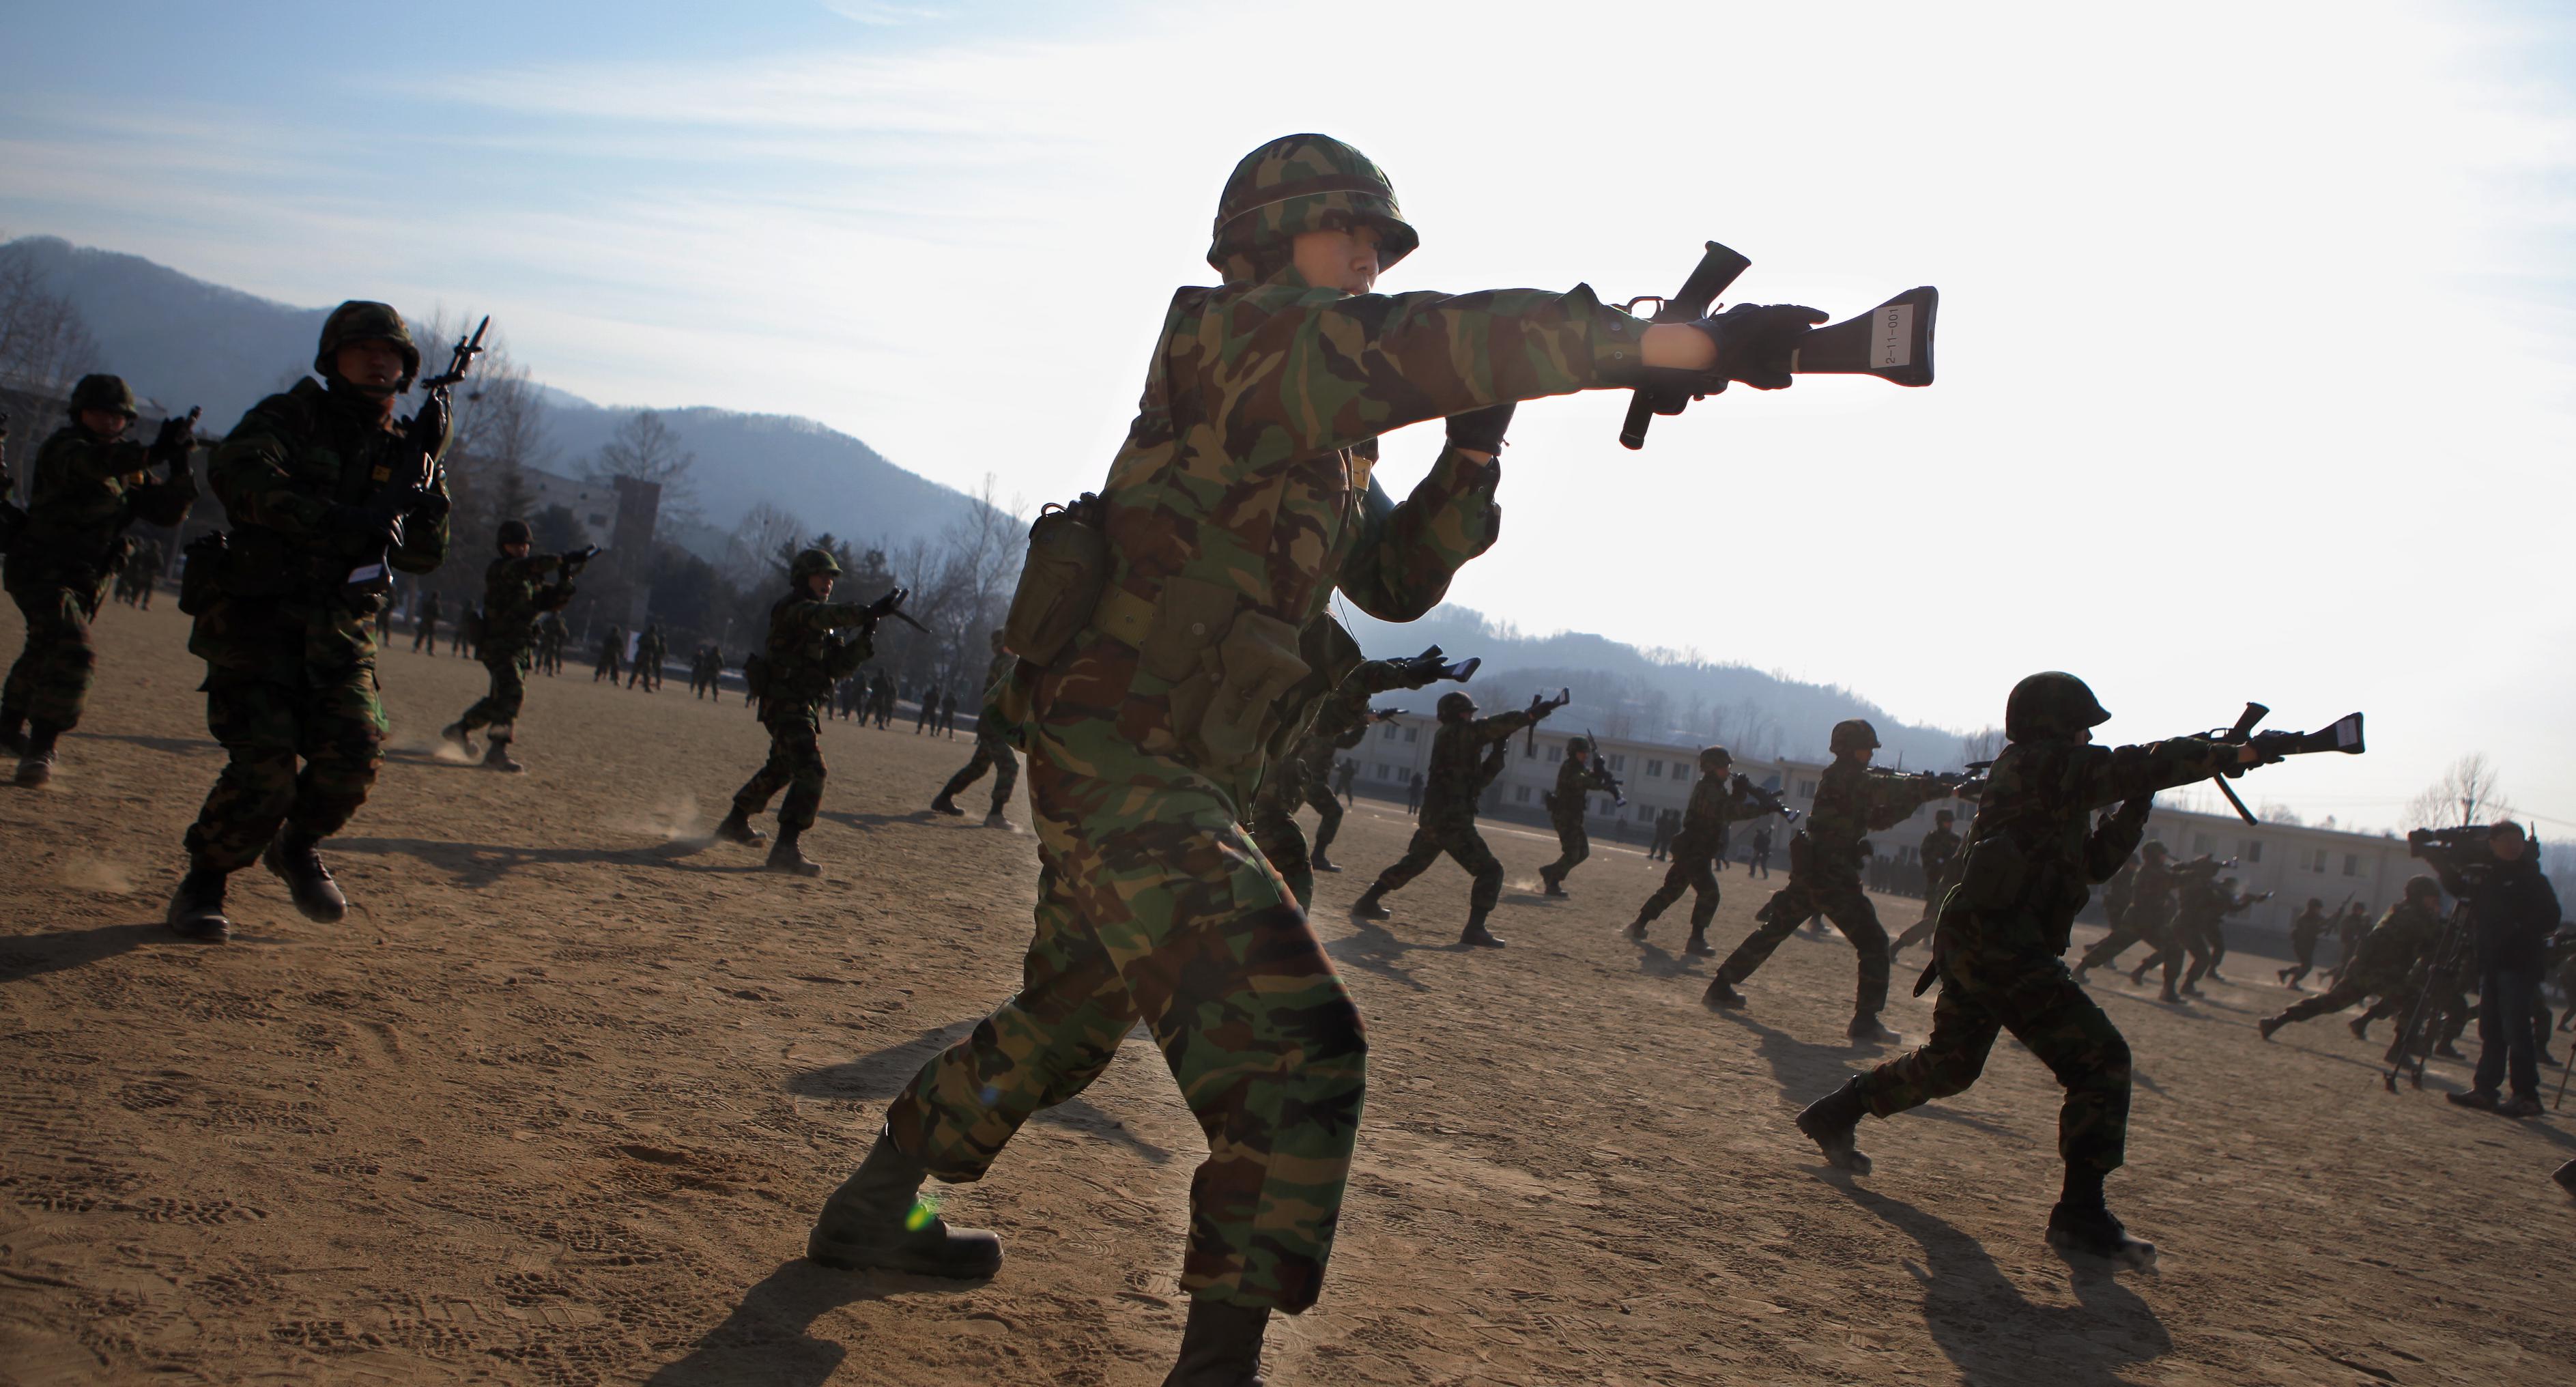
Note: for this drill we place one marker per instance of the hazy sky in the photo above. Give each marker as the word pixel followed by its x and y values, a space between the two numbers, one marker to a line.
pixel 2257 322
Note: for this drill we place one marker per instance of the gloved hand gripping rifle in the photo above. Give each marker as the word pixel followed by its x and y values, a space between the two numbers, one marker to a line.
pixel 388 507
pixel 2343 734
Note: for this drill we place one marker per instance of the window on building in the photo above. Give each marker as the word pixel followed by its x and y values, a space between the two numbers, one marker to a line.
pixel 2352 864
pixel 2317 860
pixel 2253 850
pixel 1806 789
pixel 1681 771
pixel 1618 763
pixel 1655 769
pixel 1520 795
pixel 1390 731
pixel 1385 771
pixel 1413 734
pixel 1555 753
pixel 2199 844
pixel 599 520
pixel 1645 815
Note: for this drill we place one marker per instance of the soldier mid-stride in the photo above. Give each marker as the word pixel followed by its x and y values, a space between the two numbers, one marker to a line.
pixel 424 626
pixel 1939 854
pixel 2305 930
pixel 1466 753
pixel 993 742
pixel 802 660
pixel 88 483
pixel 2388 953
pixel 2031 852
pixel 1240 500
pixel 1824 875
pixel 612 655
pixel 313 485
pixel 1576 779
pixel 515 595
pixel 1716 801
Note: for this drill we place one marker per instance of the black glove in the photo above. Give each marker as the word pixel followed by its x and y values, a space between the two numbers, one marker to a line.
pixel 1481 430
pixel 428 428
pixel 178 435
pixel 1753 342
pixel 376 520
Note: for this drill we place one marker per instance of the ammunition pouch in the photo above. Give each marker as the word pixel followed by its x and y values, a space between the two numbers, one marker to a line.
pixel 1060 581
pixel 201 579
pixel 1228 668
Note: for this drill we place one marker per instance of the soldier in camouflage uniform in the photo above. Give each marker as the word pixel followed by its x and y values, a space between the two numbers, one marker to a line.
pixel 2147 918
pixel 612 655
pixel 2379 968
pixel 317 484
pixel 1465 756
pixel 1240 499
pixel 87 484
pixel 993 742
pixel 1939 854
pixel 2032 850
pixel 144 569
pixel 515 595
pixel 424 629
pixel 2305 930
pixel 1716 801
pixel 649 650
pixel 1576 779
pixel 1825 861
pixel 803 658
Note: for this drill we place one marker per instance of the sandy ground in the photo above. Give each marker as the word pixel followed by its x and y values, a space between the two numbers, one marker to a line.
pixel 556 1103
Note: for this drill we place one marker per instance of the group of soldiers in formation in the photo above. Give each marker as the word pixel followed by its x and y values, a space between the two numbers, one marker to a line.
pixel 1171 675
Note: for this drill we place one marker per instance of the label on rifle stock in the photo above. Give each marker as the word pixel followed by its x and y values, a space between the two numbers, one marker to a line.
pixel 1892 337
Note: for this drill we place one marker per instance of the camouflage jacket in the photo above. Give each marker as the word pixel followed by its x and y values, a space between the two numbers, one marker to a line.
pixel 1244 484
pixel 2403 937
pixel 1852 800
pixel 1714 803
pixel 1939 846
pixel 1458 771
pixel 1342 719
pixel 429 606
pixel 2034 851
pixel 1575 781
pixel 515 595
pixel 281 606
pixel 2121 890
pixel 992 728
pixel 2309 925
pixel 805 659
pixel 81 494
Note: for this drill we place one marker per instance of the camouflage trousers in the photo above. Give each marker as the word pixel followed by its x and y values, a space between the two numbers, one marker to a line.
pixel 1154 904
pixel 331 721
pixel 1572 846
pixel 1465 846
pixel 2346 992
pixel 993 754
pixel 1696 871
pixel 2034 998
pixel 499 709
pixel 50 681
pixel 1282 841
pixel 2139 924
pixel 1805 897
pixel 1328 811
pixel 795 765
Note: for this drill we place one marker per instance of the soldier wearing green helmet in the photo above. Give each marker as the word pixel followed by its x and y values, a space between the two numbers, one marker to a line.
pixel 1577 778
pixel 2032 852
pixel 1241 499
pixel 516 596
pixel 89 482
pixel 805 656
pixel 288 630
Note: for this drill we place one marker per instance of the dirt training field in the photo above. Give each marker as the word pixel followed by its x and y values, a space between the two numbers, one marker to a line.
pixel 557 1102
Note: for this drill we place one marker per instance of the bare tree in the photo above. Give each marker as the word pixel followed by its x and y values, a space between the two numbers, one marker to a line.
pixel 2272 811
pixel 751 553
pixel 1984 744
pixel 2466 794
pixel 44 345
pixel 648 450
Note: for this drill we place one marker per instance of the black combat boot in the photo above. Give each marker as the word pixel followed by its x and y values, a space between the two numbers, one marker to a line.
pixel 873 1220
pixel 2445 1050
pixel 1322 863
pixel 291 855
pixel 737 828
pixel 496 756
pixel 1830 1123
pixel 2359 1026
pixel 2089 1228
pixel 1370 907
pixel 785 856
pixel 1220 1346
pixel 1865 1028
pixel 1698 942
pixel 1721 993
pixel 1476 935
pixel 1637 929
pixel 1555 885
pixel 197 907
pixel 944 805
pixel 2482 1099
pixel 2269 1024
pixel 36 763
pixel 455 735
pixel 995 819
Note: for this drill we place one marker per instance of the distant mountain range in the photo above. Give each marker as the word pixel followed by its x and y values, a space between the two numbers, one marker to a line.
pixel 181 341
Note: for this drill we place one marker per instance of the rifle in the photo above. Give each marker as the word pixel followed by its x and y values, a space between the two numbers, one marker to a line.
pixel 177 436
pixel 1601 767
pixel 1892 341
pixel 1539 708
pixel 1429 668
pixel 891 605
pixel 571 561
pixel 1383 714
pixel 1765 799
pixel 397 498
pixel 2343 734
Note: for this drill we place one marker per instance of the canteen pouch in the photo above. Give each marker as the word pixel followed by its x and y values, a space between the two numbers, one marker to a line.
pixel 201 571
pixel 1254 665
pixel 1060 582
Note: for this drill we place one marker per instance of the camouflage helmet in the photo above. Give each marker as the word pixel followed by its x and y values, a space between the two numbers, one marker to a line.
pixel 2316 903
pixel 1711 758
pixel 361 320
pixel 2156 848
pixel 1455 706
pixel 809 562
pixel 2051 703
pixel 1578 746
pixel 995 640
pixel 2425 887
pixel 1853 734
pixel 109 393
pixel 1302 183
pixel 514 532
pixel 1943 816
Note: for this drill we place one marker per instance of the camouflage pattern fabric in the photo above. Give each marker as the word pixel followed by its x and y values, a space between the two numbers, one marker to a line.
pixel 1340 719
pixel 515 595
pixel 805 660
pixel 1574 784
pixel 1714 803
pixel 2380 967
pixel 1939 847
pixel 290 653
pixel 1825 878
pixel 2031 853
pixel 795 765
pixel 2146 920
pixel 1462 764
pixel 83 490
pixel 1243 488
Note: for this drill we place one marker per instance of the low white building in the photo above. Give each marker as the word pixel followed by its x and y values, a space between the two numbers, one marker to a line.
pixel 2296 863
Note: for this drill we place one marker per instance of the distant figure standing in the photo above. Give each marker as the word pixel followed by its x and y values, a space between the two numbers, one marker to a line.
pixel 612 656
pixel 1346 780
pixel 929 711
pixel 461 631
pixel 1413 795
pixel 948 713
pixel 1761 861
pixel 424 628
